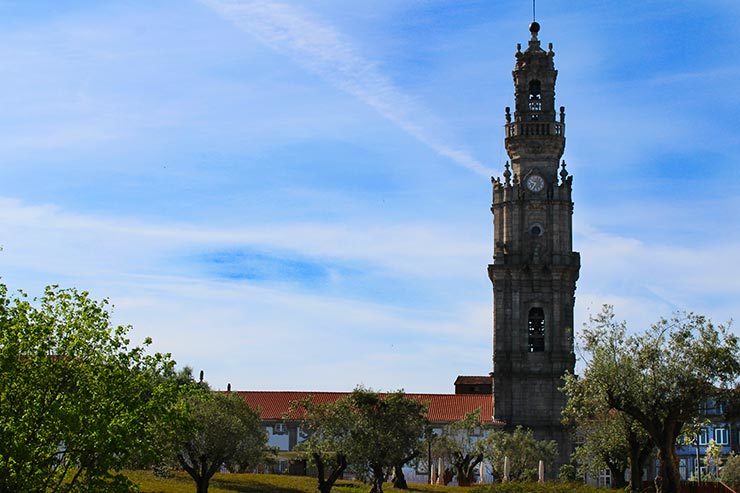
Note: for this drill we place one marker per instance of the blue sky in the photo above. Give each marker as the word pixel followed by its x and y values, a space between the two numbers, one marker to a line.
pixel 295 194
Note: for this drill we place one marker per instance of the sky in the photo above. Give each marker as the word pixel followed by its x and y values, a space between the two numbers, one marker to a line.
pixel 295 195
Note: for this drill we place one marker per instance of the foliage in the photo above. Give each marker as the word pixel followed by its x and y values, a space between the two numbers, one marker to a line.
pixel 522 449
pixel 730 473
pixel 386 431
pixel 531 487
pixel 328 427
pixel 77 403
pixel 567 472
pixel 609 439
pixel 225 432
pixel 712 460
pixel 459 445
pixel 661 377
pixel 371 431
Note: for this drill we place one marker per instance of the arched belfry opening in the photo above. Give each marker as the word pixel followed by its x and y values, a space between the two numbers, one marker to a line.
pixel 536 330
pixel 535 95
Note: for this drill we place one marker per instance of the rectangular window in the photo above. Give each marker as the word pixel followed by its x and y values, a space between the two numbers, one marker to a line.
pixel 605 478
pixel 721 437
pixel 703 436
pixel 279 429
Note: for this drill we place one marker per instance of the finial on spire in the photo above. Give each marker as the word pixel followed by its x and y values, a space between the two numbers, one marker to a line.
pixel 534 28
pixel 563 173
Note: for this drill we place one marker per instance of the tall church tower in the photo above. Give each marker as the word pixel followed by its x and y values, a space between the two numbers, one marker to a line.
pixel 534 268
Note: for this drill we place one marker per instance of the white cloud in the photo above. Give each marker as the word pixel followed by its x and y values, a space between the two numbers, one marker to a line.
pixel 418 250
pixel 646 280
pixel 325 51
pixel 251 335
pixel 279 336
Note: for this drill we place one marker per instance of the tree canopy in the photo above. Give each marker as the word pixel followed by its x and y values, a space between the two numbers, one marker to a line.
pixel 327 427
pixel 661 377
pixel 607 438
pixel 523 451
pixel 224 431
pixel 460 445
pixel 77 402
pixel 373 432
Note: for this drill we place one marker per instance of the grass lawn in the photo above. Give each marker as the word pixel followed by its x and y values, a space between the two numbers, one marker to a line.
pixel 272 483
pixel 260 483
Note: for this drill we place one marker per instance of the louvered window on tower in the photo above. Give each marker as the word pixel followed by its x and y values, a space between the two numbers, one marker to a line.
pixel 536 329
pixel 535 95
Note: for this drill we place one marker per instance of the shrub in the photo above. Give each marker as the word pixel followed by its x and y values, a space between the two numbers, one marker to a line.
pixel 530 487
pixel 730 472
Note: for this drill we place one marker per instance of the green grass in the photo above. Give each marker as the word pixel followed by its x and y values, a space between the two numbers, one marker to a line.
pixel 259 483
pixel 273 483
pixel 549 487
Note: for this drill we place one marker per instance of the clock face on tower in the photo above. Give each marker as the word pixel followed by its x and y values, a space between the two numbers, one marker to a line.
pixel 535 183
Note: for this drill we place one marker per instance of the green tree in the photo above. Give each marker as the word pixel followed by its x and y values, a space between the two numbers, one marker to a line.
pixel 610 439
pixel 373 432
pixel 523 451
pixel 387 431
pixel 730 473
pixel 225 432
pixel 661 377
pixel 460 446
pixel 77 402
pixel 328 427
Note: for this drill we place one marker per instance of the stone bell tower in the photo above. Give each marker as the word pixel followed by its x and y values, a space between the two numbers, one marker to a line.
pixel 534 268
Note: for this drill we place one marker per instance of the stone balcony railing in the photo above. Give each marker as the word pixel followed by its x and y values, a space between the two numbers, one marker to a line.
pixel 525 129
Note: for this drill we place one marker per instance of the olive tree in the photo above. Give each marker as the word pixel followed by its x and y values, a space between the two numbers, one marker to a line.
pixel 387 432
pixel 375 433
pixel 225 432
pixel 609 439
pixel 327 427
pixel 523 451
pixel 661 376
pixel 460 446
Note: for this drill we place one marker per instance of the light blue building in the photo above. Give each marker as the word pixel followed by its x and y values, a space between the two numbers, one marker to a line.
pixel 720 429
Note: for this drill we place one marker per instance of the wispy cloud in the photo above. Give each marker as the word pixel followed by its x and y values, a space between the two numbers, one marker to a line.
pixel 248 332
pixel 398 249
pixel 325 51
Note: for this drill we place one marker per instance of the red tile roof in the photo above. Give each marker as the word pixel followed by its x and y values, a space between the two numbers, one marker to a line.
pixel 443 408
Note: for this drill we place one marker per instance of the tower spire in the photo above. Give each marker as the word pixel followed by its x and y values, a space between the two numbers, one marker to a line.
pixel 534 10
pixel 534 269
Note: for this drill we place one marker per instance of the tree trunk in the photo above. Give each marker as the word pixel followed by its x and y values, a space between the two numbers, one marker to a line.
pixel 635 471
pixel 669 478
pixel 202 485
pixel 465 475
pixel 325 485
pixel 378 478
pixel 618 481
pixel 463 480
pixel 447 476
pixel 399 480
